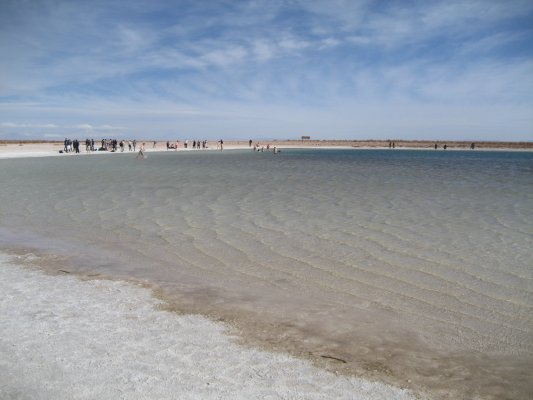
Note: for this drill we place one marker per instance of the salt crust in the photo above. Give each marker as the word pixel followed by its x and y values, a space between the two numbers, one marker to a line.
pixel 64 338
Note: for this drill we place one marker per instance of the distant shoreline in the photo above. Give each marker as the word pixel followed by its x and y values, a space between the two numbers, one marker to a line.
pixel 371 143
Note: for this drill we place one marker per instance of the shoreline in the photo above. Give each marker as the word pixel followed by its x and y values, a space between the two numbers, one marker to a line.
pixel 26 149
pixel 96 338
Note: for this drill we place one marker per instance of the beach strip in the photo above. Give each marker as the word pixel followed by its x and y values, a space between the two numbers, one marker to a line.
pixel 13 149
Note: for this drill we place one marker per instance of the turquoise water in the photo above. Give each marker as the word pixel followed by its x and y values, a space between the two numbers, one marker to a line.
pixel 419 262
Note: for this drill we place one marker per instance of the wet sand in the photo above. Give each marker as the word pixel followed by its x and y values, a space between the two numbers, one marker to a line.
pixel 62 337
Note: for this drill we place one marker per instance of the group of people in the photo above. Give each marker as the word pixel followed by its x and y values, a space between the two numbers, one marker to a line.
pixel 392 145
pixel 71 146
pixel 112 145
pixel 261 149
pixel 196 144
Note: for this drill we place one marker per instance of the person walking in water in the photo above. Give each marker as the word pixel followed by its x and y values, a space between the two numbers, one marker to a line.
pixel 141 152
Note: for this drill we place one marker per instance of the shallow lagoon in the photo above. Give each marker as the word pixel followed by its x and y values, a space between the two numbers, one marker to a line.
pixel 403 264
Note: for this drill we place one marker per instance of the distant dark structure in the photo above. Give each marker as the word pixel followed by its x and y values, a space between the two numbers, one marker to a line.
pixel 306 138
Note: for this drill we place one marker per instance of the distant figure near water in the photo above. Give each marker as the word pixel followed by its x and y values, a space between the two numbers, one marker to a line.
pixel 472 146
pixel 141 152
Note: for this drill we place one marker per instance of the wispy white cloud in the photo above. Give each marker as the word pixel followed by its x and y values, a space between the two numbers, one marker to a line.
pixel 15 125
pixel 263 50
pixel 225 56
pixel 97 127
pixel 55 126
pixel 293 44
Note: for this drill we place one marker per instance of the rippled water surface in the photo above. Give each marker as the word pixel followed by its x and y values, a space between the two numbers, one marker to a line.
pixel 399 263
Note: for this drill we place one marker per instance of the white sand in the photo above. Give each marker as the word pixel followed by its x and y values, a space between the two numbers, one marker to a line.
pixel 52 149
pixel 14 150
pixel 64 338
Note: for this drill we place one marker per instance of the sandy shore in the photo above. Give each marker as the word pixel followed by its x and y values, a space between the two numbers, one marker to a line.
pixel 62 337
pixel 14 149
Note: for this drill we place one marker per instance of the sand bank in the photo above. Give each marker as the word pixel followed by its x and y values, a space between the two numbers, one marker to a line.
pixel 14 149
pixel 61 337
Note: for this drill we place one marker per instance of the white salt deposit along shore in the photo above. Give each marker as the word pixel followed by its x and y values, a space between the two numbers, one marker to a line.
pixel 64 338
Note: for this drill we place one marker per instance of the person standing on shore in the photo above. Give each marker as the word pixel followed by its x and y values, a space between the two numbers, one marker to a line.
pixel 141 152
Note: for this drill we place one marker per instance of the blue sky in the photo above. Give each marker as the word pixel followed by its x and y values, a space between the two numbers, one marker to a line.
pixel 267 69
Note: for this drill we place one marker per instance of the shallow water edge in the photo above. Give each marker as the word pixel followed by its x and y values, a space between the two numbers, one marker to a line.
pixel 67 338
pixel 401 364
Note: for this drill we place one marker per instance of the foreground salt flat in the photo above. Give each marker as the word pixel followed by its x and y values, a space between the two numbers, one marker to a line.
pixel 61 337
